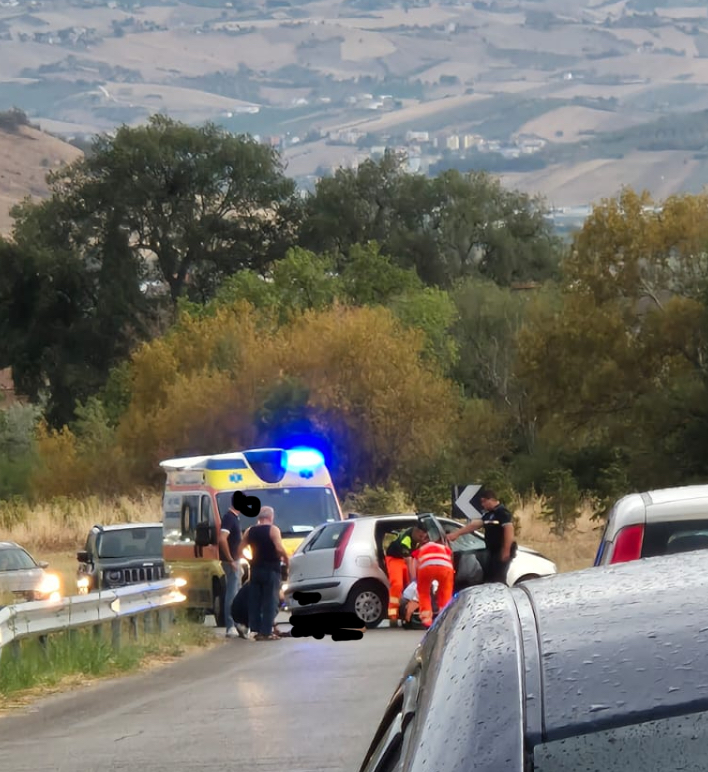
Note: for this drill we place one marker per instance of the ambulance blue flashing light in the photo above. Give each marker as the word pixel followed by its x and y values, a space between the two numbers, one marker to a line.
pixel 304 459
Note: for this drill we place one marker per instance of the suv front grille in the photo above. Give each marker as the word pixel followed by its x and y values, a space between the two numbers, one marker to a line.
pixel 146 574
pixel 134 575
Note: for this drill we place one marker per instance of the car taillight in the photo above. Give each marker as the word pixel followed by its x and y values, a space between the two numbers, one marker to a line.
pixel 342 545
pixel 629 544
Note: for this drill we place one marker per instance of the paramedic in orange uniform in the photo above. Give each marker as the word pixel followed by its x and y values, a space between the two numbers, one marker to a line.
pixel 400 568
pixel 433 563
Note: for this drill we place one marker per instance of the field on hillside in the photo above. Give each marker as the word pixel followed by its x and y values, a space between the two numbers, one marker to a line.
pixel 26 156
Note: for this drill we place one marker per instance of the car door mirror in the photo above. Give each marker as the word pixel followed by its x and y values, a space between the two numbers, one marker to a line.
pixel 82 556
pixel 204 535
pixel 43 564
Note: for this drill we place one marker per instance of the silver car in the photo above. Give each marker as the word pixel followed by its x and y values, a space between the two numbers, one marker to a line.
pixel 22 578
pixel 654 523
pixel 345 563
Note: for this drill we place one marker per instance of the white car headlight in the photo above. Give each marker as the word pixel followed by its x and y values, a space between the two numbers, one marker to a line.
pixel 50 584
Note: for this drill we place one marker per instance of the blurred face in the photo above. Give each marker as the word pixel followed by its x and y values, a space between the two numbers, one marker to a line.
pixel 420 536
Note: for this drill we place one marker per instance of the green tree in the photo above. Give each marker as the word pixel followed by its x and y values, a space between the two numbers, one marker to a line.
pixel 445 228
pixel 489 231
pixel 192 204
pixel 65 320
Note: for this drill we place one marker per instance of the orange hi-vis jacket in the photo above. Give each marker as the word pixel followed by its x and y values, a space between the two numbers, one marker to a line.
pixel 434 554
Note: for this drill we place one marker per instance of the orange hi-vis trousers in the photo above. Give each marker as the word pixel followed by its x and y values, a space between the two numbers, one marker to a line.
pixel 445 577
pixel 397 570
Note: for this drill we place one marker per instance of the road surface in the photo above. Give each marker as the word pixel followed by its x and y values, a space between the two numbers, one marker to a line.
pixel 302 705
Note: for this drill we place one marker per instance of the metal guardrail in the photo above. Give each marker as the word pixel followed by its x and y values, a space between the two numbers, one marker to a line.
pixel 40 618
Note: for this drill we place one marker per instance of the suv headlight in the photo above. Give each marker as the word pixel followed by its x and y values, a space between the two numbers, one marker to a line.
pixel 114 576
pixel 82 584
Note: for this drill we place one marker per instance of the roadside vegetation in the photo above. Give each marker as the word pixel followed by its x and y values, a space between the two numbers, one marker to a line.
pixel 177 295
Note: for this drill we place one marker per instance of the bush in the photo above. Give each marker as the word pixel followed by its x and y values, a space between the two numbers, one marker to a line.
pixel 380 500
pixel 11 120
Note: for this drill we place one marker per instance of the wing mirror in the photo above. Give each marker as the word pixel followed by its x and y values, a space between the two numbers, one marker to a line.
pixel 204 535
pixel 82 556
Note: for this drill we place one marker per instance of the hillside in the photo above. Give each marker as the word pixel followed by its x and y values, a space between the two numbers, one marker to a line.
pixel 524 83
pixel 26 155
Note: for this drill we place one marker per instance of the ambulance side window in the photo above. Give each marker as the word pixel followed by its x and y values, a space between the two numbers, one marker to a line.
pixel 190 515
pixel 207 512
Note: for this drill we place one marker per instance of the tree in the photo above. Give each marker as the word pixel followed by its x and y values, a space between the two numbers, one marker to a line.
pixel 353 206
pixel 622 366
pixel 488 231
pixel 445 228
pixel 192 204
pixel 64 320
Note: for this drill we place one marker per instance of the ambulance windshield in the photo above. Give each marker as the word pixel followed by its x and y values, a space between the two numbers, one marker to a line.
pixel 297 510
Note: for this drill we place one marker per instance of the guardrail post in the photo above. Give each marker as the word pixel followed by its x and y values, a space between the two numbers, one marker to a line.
pixel 115 633
pixel 163 620
pixel 98 632
pixel 148 620
pixel 15 648
pixel 133 622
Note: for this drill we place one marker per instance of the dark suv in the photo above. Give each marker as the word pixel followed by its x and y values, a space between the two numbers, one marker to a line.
pixel 119 555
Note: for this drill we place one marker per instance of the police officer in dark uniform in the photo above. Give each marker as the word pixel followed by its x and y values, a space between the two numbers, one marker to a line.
pixel 498 526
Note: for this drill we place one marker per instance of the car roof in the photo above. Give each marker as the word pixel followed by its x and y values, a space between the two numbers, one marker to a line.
pixel 124 526
pixel 7 545
pixel 562 655
pixel 622 640
pixel 682 493
pixel 657 505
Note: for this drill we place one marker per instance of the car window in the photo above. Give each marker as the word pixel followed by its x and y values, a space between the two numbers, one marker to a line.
pixel 328 537
pixel 15 559
pixel 668 538
pixel 664 745
pixel 464 543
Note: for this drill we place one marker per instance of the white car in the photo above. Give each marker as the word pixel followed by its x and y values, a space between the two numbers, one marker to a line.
pixel 344 564
pixel 22 578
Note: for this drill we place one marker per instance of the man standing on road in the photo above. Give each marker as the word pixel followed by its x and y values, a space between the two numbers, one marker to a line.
pixel 498 527
pixel 400 567
pixel 267 547
pixel 229 541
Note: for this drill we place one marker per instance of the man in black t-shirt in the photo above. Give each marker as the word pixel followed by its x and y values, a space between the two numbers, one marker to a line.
pixel 498 526
pixel 229 540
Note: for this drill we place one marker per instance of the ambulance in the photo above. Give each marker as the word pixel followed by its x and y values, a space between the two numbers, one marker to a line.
pixel 198 492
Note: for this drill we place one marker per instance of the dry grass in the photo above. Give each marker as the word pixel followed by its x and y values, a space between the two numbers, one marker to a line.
pixel 25 159
pixel 62 524
pixel 571 552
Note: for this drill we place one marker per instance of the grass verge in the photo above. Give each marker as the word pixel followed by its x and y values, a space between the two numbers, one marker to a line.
pixel 70 661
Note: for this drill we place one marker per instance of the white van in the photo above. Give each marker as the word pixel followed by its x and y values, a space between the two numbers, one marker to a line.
pixel 660 522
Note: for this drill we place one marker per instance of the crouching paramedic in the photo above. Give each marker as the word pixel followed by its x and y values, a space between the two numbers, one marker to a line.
pixel 433 564
pixel 400 567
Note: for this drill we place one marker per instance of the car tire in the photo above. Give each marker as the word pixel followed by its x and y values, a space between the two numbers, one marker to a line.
pixel 219 602
pixel 369 601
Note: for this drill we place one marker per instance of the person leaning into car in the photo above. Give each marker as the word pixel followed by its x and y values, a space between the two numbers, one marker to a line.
pixel 498 526
pixel 400 566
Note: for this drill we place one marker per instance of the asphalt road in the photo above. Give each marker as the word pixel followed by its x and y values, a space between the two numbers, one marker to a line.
pixel 302 705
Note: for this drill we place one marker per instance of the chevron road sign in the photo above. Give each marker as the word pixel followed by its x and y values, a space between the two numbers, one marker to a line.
pixel 464 501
